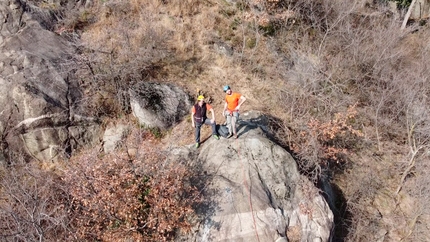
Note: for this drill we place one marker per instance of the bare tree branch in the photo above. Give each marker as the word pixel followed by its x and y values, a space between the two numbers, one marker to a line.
pixel 408 14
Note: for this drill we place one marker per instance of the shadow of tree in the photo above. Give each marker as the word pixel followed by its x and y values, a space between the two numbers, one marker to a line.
pixel 338 205
pixel 206 208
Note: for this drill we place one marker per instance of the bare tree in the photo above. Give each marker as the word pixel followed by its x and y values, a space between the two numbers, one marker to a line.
pixel 408 14
pixel 33 205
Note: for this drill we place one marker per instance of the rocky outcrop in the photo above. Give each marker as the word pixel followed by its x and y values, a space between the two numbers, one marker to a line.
pixel 113 136
pixel 40 98
pixel 158 105
pixel 43 110
pixel 421 10
pixel 254 192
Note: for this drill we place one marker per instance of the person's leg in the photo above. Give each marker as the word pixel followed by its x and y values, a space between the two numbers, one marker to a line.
pixel 228 117
pixel 213 126
pixel 234 119
pixel 197 132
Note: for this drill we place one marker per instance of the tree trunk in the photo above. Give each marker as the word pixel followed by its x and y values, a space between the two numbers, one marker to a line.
pixel 408 14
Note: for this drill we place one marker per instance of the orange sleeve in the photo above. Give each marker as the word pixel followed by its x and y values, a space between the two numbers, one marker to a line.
pixel 208 107
pixel 193 110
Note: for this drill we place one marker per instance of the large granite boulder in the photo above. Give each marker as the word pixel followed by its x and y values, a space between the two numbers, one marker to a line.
pixel 40 97
pixel 158 105
pixel 254 192
pixel 421 10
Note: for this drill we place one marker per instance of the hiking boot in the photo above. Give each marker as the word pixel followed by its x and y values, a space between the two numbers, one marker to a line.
pixel 197 145
pixel 216 136
pixel 229 135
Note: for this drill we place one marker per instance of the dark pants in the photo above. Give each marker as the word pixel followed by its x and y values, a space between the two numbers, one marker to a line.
pixel 199 126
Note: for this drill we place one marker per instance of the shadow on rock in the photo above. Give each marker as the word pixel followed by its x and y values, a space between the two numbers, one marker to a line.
pixel 338 204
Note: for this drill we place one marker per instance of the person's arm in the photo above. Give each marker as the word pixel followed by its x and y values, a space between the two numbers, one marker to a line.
pixel 225 109
pixel 242 99
pixel 192 118
pixel 213 115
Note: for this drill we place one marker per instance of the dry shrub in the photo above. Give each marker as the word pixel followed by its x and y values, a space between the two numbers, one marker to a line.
pixel 321 143
pixel 418 213
pixel 33 204
pixel 356 216
pixel 125 44
pixel 116 199
pixel 268 13
pixel 183 7
pixel 133 41
pixel 170 199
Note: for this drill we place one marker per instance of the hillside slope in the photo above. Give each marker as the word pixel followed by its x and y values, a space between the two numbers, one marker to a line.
pixel 345 88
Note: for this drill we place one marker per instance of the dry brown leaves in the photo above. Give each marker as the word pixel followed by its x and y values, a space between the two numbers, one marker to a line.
pixel 115 198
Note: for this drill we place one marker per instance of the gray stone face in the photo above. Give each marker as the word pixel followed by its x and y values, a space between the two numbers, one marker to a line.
pixel 39 95
pixel 223 48
pixel 158 105
pixel 421 9
pixel 113 136
pixel 255 192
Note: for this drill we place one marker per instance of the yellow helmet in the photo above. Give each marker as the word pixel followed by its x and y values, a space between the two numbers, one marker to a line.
pixel 201 97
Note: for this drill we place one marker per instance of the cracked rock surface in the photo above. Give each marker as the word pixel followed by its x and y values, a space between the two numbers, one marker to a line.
pixel 39 95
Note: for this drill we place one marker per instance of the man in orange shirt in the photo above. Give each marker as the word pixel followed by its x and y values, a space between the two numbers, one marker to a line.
pixel 233 102
pixel 198 118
